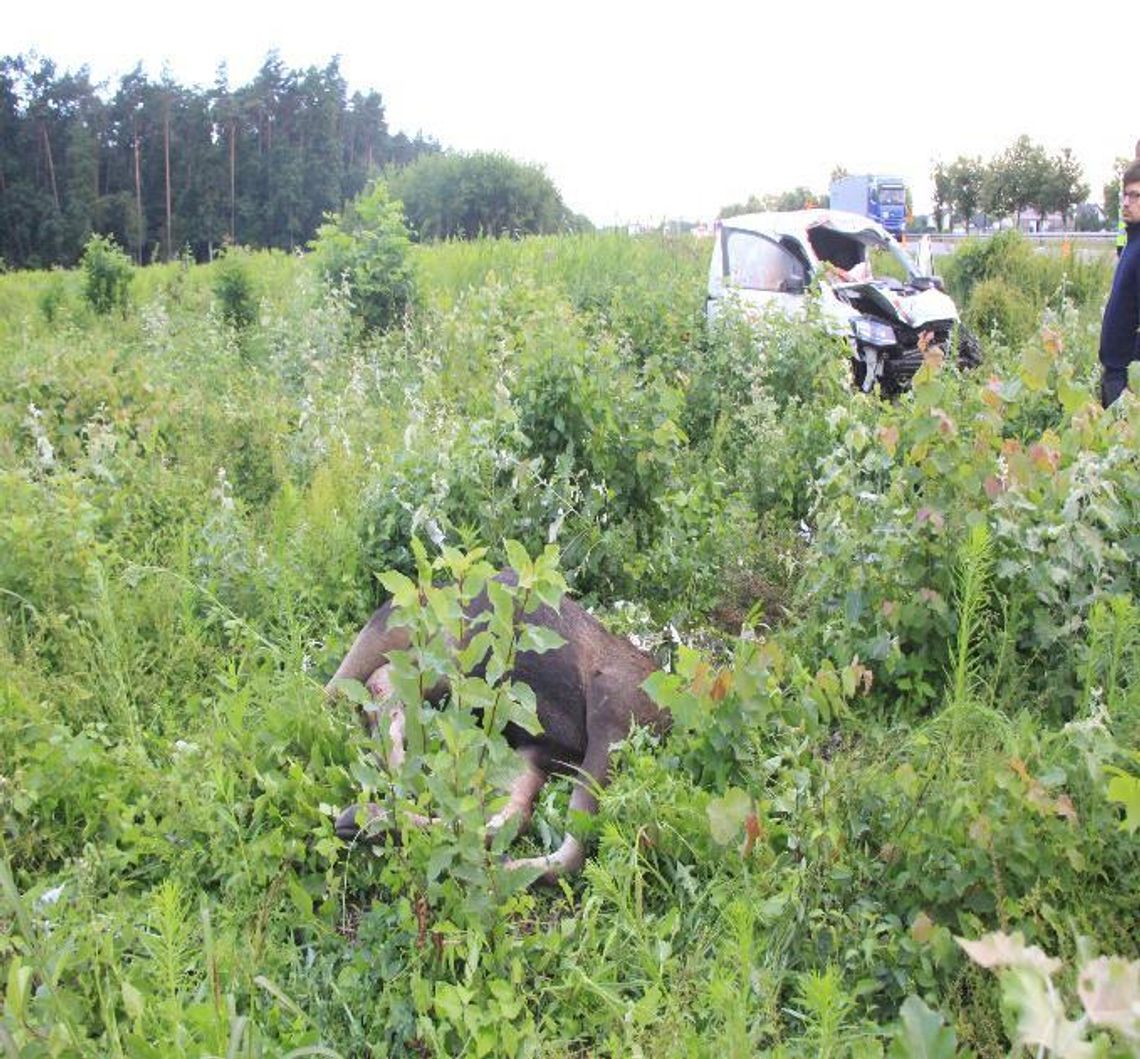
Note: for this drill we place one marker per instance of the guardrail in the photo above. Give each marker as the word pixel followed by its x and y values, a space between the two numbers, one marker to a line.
pixel 1044 237
pixel 1087 244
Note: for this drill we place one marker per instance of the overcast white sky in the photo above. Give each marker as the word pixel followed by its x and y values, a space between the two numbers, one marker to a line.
pixel 640 111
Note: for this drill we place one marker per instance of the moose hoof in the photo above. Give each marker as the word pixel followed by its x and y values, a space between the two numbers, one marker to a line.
pixel 547 874
pixel 363 823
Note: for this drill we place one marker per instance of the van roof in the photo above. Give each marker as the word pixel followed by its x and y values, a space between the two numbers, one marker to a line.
pixel 799 222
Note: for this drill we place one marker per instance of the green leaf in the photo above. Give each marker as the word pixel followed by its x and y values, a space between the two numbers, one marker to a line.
pixel 279 994
pixel 1041 1015
pixel 423 563
pixel 727 815
pixel 1124 789
pixel 354 691
pixel 402 588
pixel 19 978
pixel 1073 398
pixel 503 604
pixel 301 898
pixel 539 639
pixel 406 678
pixel 133 1001
pixel 450 1001
pixel 497 663
pixel 921 1033
pixel 1035 364
pixel 440 860
pixel 551 592
pixel 475 651
pixel 670 692
pixel 550 585
pixel 366 775
pixel 444 604
pixel 520 562
pixel 523 708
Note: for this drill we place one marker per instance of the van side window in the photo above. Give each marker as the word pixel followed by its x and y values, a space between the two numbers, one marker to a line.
pixel 756 263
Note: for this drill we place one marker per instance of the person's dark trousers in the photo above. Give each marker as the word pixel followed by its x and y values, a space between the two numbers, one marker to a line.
pixel 1112 384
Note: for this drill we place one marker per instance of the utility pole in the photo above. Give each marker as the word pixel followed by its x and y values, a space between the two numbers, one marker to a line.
pixel 233 182
pixel 138 194
pixel 166 153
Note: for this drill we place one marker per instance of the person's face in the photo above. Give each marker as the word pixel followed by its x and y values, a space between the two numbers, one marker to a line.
pixel 1131 203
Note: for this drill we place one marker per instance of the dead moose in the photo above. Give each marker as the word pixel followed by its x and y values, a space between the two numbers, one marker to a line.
pixel 587 692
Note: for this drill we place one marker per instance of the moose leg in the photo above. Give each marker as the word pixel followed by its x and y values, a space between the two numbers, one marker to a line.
pixel 385 701
pixel 370 648
pixel 370 822
pixel 571 855
pixel 520 801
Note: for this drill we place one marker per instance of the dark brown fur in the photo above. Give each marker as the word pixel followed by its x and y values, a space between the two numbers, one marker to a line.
pixel 588 691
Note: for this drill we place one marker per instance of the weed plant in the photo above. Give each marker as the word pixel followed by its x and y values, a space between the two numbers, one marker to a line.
pixel 905 690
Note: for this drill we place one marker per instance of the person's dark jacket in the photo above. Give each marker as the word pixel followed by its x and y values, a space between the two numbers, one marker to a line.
pixel 1120 330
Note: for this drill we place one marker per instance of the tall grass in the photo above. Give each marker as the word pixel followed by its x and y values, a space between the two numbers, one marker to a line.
pixel 191 520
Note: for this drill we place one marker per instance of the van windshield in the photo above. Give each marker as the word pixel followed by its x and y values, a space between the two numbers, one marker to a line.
pixel 846 251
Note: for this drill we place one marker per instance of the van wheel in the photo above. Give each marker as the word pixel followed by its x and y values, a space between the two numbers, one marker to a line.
pixel 969 348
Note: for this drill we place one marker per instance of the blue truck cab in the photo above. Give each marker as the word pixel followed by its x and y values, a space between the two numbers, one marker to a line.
pixel 882 198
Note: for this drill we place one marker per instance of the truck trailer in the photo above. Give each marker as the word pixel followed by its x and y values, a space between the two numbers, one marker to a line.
pixel 882 198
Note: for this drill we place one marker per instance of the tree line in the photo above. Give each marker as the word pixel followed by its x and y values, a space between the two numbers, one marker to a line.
pixel 463 196
pixel 798 198
pixel 1023 176
pixel 161 167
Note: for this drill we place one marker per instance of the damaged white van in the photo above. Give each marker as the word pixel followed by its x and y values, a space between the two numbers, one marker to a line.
pixel 767 262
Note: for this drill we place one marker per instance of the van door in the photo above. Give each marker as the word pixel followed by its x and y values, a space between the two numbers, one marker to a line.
pixel 754 270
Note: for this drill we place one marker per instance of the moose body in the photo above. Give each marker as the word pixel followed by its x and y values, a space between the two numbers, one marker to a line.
pixel 587 693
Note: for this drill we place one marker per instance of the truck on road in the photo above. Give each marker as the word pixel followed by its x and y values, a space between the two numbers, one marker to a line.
pixel 882 198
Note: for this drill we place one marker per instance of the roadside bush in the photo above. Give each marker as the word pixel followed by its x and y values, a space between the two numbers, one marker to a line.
pixel 235 289
pixel 367 245
pixel 1024 455
pixel 928 727
pixel 1041 278
pixel 53 297
pixel 997 307
pixel 107 274
pixel 1005 254
pixel 758 398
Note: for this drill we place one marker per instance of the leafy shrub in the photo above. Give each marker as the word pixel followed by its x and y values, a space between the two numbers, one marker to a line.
pixel 936 738
pixel 107 274
pixel 1042 279
pixel 461 196
pixel 1024 455
pixel 1006 255
pixel 367 245
pixel 760 395
pixel 235 289
pixel 53 297
pixel 997 307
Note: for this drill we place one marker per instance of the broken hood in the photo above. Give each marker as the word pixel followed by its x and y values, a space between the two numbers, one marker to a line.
pixel 915 308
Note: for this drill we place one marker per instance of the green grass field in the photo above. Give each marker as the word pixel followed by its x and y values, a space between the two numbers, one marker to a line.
pixel 905 683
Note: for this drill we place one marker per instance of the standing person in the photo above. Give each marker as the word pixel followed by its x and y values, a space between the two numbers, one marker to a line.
pixel 1120 329
pixel 1121 234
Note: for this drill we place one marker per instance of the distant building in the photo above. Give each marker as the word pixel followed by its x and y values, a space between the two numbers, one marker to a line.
pixel 1032 222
